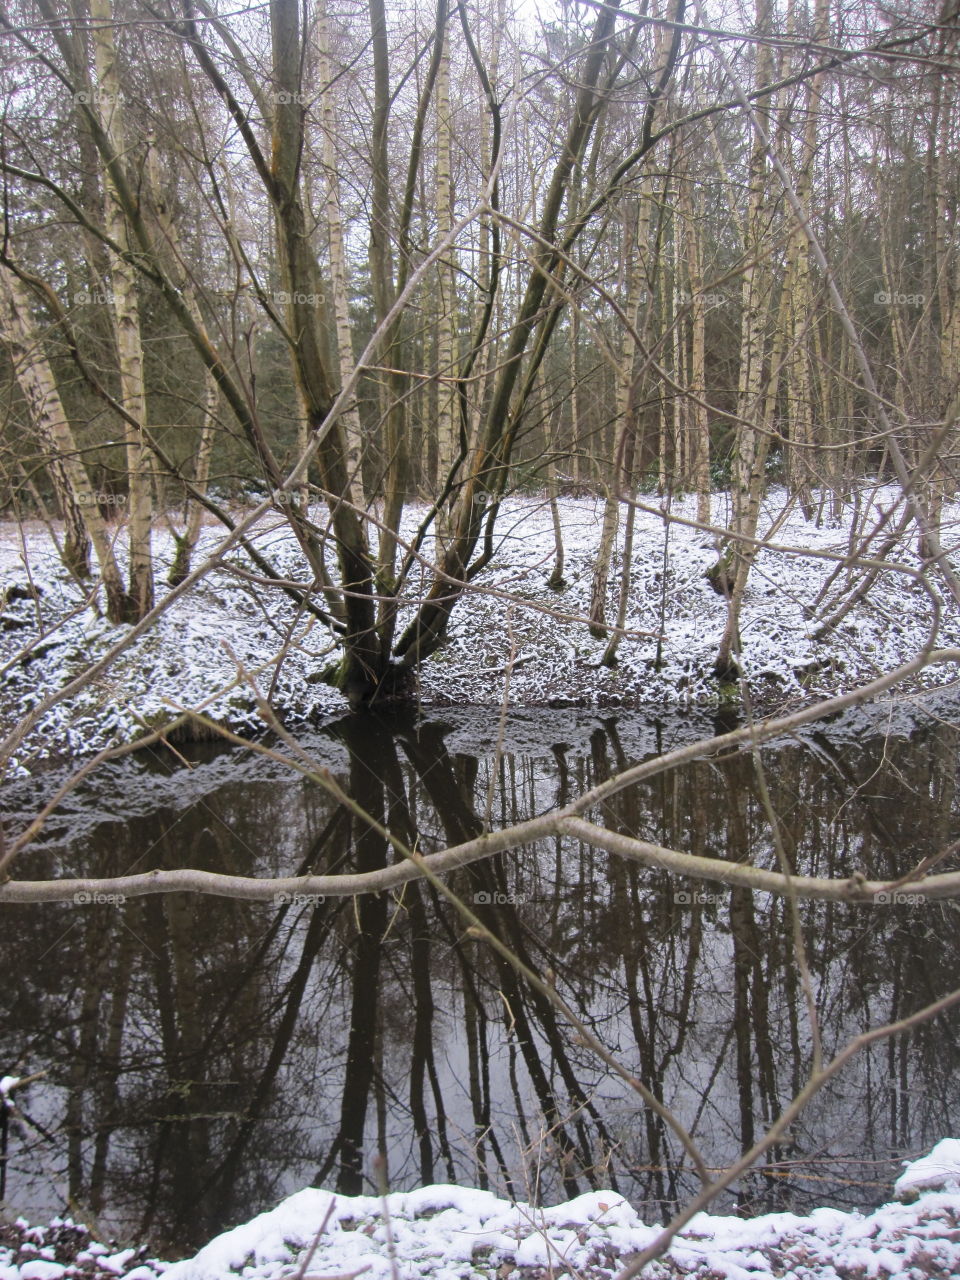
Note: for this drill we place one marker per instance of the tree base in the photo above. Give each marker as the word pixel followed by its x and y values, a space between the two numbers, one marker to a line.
pixel 396 684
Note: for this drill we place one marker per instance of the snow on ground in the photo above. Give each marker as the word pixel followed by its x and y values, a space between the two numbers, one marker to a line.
pixel 456 1233
pixel 512 619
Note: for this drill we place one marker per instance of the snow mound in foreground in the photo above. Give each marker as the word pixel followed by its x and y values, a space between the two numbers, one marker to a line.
pixel 454 1233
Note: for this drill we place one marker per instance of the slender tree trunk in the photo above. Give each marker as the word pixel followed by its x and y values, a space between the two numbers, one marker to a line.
pixel 677 476
pixel 186 542
pixel 338 262
pixel 697 416
pixel 448 444
pixel 68 474
pixel 750 498
pixel 126 311
pixel 364 661
pixel 637 238
pixel 730 573
pixel 393 385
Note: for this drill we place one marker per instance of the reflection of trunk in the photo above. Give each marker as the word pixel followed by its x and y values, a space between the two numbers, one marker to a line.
pixel 744 936
pixel 123 953
pixel 174 1146
pixel 422 1034
pixel 96 942
pixel 449 782
pixel 656 1010
pixel 369 763
pixel 323 855
pixel 533 1015
pixel 230 1168
pixel 423 1062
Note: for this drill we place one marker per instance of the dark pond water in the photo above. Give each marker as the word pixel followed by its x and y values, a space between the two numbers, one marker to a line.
pixel 204 1057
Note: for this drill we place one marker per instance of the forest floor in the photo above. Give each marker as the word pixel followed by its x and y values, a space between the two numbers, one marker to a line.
pixel 512 629
pixel 455 1233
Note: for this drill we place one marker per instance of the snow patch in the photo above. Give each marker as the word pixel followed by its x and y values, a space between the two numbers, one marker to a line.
pixel 456 1233
pixel 937 1171
pixel 512 621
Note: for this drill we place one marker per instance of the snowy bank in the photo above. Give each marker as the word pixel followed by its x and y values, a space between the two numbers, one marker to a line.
pixel 455 1233
pixel 512 621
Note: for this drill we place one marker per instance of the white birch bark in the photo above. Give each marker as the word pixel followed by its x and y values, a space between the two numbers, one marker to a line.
pixel 447 435
pixel 78 501
pixel 126 312
pixel 335 240
pixel 637 239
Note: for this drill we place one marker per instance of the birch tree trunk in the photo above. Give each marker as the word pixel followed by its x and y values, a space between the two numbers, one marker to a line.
pixel 126 312
pixel 447 435
pixel 186 542
pixel 729 574
pixel 637 238
pixel 726 666
pixel 338 262
pixel 81 513
pixel 391 385
pixel 801 470
pixel 942 279
pixel 698 422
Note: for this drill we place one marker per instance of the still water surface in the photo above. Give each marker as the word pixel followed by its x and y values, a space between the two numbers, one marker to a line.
pixel 204 1057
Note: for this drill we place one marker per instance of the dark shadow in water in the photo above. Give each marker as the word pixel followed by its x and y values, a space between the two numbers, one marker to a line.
pixel 204 1056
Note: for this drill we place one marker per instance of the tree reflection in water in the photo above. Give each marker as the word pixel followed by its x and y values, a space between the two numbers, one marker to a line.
pixel 205 1056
